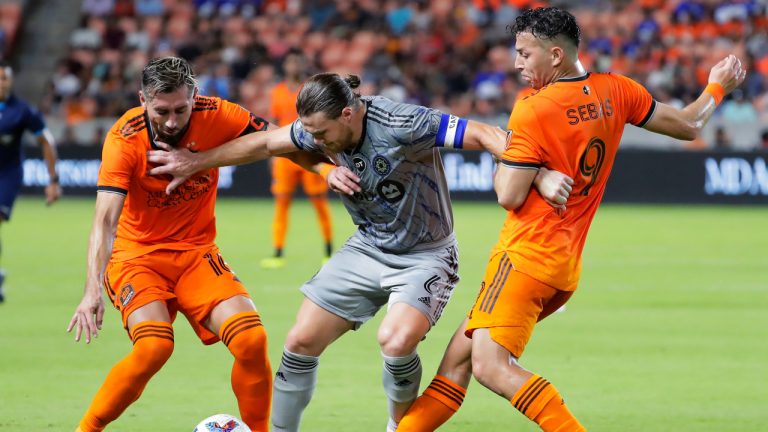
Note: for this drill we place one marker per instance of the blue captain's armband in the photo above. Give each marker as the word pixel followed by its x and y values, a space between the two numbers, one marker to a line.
pixel 450 133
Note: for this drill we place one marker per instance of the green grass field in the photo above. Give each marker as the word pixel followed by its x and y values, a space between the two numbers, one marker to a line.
pixel 667 332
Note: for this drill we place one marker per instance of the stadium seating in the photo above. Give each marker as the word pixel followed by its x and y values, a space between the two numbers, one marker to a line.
pixel 454 55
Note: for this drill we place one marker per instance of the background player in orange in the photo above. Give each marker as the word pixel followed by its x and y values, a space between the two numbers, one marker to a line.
pixel 286 175
pixel 572 124
pixel 155 254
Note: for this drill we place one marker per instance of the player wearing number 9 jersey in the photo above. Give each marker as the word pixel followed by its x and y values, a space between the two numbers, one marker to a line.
pixel 572 124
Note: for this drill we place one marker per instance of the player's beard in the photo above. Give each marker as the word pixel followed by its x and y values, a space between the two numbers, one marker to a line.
pixel 344 142
pixel 171 139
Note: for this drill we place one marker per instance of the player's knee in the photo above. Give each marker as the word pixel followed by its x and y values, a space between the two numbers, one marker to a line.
pixel 398 341
pixel 152 353
pixel 249 345
pixel 483 370
pixel 302 341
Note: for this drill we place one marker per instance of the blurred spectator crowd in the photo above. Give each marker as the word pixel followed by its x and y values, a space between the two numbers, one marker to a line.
pixel 450 54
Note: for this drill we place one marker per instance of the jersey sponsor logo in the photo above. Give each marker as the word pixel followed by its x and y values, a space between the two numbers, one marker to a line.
pixel 191 190
pixel 360 164
pixel 391 191
pixel 364 196
pixel 381 165
pixel 126 294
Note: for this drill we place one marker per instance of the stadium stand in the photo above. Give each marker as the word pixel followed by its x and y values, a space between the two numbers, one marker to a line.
pixel 449 54
pixel 10 19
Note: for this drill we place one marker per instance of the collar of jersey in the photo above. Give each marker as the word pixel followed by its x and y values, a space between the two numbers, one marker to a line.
pixel 573 79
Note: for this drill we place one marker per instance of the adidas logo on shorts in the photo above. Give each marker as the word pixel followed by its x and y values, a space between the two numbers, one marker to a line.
pixel 426 301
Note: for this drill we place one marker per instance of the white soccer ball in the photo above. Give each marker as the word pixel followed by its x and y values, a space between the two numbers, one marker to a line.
pixel 222 423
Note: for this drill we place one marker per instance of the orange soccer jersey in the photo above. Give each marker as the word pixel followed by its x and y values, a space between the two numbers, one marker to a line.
pixel 573 126
pixel 283 106
pixel 286 175
pixel 150 219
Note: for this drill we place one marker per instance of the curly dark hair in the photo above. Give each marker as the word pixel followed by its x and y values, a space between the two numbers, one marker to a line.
pixel 547 23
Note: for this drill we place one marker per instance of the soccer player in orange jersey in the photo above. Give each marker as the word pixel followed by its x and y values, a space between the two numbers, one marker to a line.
pixel 155 254
pixel 573 123
pixel 286 174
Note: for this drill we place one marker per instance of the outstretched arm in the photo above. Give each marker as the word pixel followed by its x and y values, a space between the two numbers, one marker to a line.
pixel 89 314
pixel 687 123
pixel 554 186
pixel 182 163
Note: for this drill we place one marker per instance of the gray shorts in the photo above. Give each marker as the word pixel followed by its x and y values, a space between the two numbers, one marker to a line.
pixel 360 278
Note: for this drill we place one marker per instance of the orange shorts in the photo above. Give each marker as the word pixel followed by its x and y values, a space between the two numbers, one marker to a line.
pixel 510 303
pixel 192 282
pixel 286 176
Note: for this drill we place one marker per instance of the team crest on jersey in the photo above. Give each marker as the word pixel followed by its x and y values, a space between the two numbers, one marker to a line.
pixel 381 165
pixel 360 164
pixel 126 294
pixel 391 191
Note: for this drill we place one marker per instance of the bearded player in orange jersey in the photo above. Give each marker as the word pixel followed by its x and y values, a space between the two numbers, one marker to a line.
pixel 286 174
pixel 155 254
pixel 573 124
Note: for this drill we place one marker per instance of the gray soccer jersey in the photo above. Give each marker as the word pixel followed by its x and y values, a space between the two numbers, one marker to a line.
pixel 404 204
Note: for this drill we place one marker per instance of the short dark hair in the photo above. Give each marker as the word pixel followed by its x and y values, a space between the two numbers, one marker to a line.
pixel 547 23
pixel 166 75
pixel 327 93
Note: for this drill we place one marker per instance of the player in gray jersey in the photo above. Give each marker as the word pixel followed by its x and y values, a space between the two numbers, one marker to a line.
pixel 390 176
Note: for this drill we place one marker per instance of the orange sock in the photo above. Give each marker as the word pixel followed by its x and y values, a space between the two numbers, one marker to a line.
pixel 246 339
pixel 323 217
pixel 434 407
pixel 541 402
pixel 280 223
pixel 152 346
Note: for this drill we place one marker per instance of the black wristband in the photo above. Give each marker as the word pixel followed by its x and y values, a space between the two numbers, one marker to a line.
pixel 54 178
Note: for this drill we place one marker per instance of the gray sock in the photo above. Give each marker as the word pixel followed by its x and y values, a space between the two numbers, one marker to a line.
pixel 293 387
pixel 401 378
